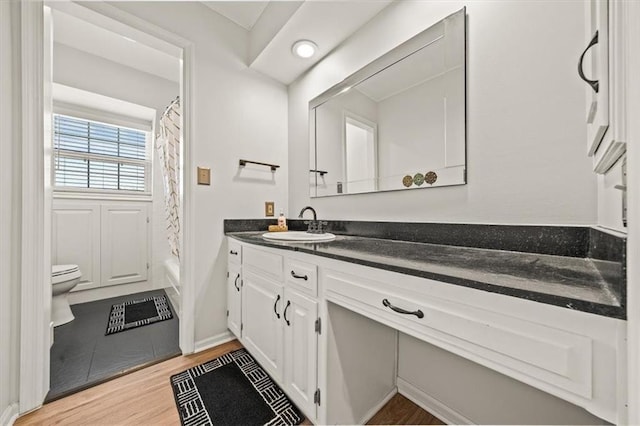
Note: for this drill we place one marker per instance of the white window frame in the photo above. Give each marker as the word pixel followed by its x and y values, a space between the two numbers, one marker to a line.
pixel 85 105
pixel 147 163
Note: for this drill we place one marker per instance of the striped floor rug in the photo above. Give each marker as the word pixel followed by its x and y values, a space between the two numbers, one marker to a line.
pixel 231 390
pixel 136 313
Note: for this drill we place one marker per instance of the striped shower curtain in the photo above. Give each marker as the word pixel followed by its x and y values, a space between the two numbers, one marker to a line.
pixel 168 146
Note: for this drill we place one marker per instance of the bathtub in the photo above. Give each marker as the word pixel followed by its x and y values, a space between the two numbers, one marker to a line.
pixel 172 278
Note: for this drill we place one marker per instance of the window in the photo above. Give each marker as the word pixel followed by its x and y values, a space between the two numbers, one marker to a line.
pixel 89 155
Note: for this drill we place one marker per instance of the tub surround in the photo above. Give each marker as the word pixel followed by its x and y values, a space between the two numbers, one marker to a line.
pixel 579 268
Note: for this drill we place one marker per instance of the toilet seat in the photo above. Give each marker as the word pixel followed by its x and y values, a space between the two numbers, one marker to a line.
pixel 62 273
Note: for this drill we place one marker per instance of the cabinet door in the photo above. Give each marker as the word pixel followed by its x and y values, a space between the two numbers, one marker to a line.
pixel 301 348
pixel 595 65
pixel 234 300
pixel 76 240
pixel 124 242
pixel 262 323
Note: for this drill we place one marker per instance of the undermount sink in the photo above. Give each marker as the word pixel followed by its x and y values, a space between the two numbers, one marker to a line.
pixel 299 236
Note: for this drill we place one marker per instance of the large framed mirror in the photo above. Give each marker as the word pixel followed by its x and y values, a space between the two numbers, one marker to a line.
pixel 399 123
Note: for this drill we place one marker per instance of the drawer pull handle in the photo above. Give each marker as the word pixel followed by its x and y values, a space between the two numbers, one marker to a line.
pixel 235 283
pixel 235 253
pixel 275 307
pixel 285 312
pixel 388 304
pixel 300 277
pixel 593 83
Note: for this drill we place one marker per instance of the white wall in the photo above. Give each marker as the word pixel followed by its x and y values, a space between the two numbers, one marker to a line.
pixel 525 125
pixel 10 193
pixel 610 199
pixel 79 69
pixel 238 113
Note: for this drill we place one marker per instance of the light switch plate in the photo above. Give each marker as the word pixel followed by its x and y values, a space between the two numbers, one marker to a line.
pixel 204 176
pixel 269 208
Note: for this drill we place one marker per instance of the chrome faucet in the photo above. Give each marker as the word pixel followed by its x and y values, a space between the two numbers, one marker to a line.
pixel 315 226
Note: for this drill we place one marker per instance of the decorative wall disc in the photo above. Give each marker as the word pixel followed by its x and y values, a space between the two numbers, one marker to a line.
pixel 431 178
pixel 407 181
pixel 418 179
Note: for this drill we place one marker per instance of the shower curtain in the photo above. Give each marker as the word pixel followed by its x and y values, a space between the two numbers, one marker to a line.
pixel 168 147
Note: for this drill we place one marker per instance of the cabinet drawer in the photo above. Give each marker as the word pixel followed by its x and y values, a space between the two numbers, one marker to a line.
pixel 534 353
pixel 263 262
pixel 302 276
pixel 234 251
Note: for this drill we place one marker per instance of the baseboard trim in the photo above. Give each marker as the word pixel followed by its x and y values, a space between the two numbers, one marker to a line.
pixel 9 415
pixel 377 407
pixel 432 405
pixel 213 341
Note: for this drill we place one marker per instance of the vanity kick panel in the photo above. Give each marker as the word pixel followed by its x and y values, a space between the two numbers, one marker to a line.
pixel 534 353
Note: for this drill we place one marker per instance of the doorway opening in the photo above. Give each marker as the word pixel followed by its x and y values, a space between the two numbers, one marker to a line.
pixel 115 164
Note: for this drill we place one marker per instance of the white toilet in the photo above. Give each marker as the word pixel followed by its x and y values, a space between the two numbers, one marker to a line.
pixel 63 279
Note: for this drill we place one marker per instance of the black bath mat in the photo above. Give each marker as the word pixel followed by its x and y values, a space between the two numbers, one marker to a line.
pixel 231 390
pixel 136 313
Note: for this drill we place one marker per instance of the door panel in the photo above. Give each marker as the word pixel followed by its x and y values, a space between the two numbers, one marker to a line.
pixel 76 240
pixel 301 344
pixel 234 300
pixel 124 242
pixel 262 329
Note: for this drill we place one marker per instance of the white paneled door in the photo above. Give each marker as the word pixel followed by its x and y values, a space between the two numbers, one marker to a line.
pixel 76 240
pixel 124 244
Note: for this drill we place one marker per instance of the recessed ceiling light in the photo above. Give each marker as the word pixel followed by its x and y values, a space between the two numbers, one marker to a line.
pixel 304 48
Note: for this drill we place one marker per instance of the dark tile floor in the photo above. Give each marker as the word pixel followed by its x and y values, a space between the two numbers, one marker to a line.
pixel 83 356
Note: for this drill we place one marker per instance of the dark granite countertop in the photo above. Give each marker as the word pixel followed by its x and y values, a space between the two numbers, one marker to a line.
pixel 578 283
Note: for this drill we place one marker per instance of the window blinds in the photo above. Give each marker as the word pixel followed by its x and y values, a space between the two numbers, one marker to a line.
pixel 93 155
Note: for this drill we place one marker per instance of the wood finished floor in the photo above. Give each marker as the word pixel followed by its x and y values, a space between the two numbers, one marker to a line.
pixel 144 397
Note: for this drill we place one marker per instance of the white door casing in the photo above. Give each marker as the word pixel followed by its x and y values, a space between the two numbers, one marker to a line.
pixel 35 267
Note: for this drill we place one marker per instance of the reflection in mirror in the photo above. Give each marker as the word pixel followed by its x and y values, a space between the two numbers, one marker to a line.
pixel 398 123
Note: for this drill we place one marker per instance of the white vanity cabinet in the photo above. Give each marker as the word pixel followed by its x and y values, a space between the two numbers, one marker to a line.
pixel 279 318
pixel 327 332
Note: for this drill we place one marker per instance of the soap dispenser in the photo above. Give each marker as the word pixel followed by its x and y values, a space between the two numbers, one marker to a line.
pixel 282 221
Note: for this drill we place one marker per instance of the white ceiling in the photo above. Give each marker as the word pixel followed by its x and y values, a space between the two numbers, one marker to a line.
pixel 243 13
pixel 274 26
pixel 114 46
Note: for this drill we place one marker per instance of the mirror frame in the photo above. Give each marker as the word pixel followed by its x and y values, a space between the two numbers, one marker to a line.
pixel 398 53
